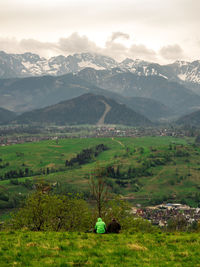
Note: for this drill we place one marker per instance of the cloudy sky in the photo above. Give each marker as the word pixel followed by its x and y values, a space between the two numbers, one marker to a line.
pixel 153 30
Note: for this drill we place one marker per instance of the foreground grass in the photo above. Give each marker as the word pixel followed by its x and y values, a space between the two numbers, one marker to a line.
pixel 81 249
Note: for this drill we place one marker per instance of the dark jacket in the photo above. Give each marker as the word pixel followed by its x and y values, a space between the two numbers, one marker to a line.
pixel 113 227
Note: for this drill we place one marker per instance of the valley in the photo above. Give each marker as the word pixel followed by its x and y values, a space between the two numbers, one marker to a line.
pixel 136 121
pixel 146 170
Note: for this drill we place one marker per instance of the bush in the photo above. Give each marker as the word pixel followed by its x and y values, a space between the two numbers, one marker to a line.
pixel 4 196
pixel 178 223
pixel 141 225
pixel 14 181
pixel 51 212
pixel 120 210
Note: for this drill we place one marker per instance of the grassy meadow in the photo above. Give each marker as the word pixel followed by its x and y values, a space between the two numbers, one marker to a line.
pixel 175 180
pixel 62 249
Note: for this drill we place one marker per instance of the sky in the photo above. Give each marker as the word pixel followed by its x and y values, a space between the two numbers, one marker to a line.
pixel 160 31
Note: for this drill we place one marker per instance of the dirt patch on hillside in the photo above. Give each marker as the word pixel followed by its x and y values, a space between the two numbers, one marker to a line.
pixel 107 109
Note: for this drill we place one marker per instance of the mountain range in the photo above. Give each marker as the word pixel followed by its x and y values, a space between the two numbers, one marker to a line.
pixel 28 64
pixel 172 94
pixel 25 94
pixel 158 92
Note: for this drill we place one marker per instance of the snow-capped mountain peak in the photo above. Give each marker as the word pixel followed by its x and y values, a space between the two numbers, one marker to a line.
pixel 29 64
pixel 187 71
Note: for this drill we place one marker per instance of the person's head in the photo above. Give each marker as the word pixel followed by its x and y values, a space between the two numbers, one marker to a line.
pixel 113 219
pixel 99 220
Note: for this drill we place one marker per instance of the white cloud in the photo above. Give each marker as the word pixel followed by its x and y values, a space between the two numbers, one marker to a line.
pixel 117 35
pixel 154 23
pixel 142 52
pixel 76 43
pixel 172 52
pixel 12 45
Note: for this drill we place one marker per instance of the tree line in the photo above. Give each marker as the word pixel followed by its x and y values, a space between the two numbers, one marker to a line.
pixel 86 155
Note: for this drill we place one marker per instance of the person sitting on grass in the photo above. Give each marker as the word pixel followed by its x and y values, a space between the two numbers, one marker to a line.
pixel 113 227
pixel 100 227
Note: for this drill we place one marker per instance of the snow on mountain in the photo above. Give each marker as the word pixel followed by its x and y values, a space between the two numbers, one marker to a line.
pixel 130 64
pixel 99 61
pixel 28 64
pixel 182 76
pixel 88 64
pixel 187 71
pixel 141 67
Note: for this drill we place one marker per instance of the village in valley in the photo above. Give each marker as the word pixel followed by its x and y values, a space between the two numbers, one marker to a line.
pixel 17 134
pixel 161 215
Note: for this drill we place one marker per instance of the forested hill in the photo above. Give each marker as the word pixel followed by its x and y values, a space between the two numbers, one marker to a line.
pixel 6 115
pixel 190 119
pixel 85 109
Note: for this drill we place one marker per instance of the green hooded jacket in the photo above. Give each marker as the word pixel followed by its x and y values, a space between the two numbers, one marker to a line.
pixel 100 226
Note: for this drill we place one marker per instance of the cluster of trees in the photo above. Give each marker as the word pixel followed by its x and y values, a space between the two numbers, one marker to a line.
pixel 62 188
pixel 50 212
pixel 130 176
pixel 26 172
pixel 127 177
pixel 160 158
pixel 86 155
pixel 179 151
pixel 190 199
pixel 10 200
pixel 179 223
pixel 173 151
pixel 2 166
pixel 53 212
pixel 16 174
pixel 28 183
pixel 132 172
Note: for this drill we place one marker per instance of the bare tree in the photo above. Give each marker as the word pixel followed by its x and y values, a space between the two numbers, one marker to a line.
pixel 43 186
pixel 99 189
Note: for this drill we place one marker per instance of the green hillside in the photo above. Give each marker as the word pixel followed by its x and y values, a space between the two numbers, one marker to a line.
pixel 147 170
pixel 80 249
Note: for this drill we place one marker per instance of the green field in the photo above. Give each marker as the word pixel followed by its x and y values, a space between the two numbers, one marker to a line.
pixel 62 249
pixel 171 168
